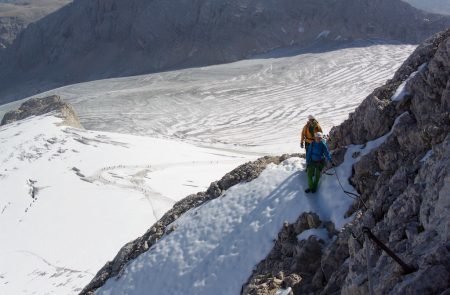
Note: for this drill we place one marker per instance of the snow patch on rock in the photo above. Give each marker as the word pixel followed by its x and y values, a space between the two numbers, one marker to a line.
pixel 401 91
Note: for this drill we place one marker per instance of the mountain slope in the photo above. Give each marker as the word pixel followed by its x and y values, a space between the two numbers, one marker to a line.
pixel 213 248
pixel 16 15
pixel 89 40
pixel 434 6
pixel 399 154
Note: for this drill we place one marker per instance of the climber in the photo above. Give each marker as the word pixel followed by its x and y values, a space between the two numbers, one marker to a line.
pixel 311 128
pixel 316 155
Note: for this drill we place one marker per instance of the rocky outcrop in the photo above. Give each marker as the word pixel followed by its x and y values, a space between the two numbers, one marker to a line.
pixel 41 106
pixel 291 262
pixel 405 183
pixel 130 251
pixel 9 29
pixel 93 39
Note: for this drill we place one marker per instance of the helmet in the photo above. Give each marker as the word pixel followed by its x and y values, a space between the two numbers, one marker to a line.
pixel 319 135
pixel 311 117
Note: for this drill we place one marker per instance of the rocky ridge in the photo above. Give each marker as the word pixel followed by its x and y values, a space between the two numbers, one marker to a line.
pixel 405 183
pixel 89 40
pixel 41 106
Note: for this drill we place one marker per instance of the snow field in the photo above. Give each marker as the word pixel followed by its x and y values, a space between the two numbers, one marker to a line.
pixel 54 242
pixel 257 105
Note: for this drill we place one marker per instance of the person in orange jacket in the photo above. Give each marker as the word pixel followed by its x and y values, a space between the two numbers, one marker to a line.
pixel 309 131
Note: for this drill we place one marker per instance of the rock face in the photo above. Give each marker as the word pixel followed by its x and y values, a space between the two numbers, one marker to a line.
pixel 435 6
pixel 16 15
pixel 290 258
pixel 405 183
pixel 41 106
pixel 93 39
pixel 130 251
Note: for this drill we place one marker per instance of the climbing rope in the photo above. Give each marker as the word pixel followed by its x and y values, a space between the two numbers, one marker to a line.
pixel 351 195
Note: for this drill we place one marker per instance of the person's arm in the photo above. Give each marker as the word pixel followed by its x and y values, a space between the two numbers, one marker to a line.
pixel 308 155
pixel 303 135
pixel 327 152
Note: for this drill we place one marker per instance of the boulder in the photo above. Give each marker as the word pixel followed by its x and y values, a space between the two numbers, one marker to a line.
pixel 41 106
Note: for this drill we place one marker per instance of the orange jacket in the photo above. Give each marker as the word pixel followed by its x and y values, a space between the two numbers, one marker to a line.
pixel 309 130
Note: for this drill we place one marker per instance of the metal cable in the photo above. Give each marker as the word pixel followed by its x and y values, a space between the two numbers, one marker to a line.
pixel 369 270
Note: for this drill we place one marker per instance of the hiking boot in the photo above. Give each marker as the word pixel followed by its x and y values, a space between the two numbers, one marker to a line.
pixel 307 190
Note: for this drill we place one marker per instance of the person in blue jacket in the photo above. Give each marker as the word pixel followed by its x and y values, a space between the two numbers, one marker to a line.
pixel 316 157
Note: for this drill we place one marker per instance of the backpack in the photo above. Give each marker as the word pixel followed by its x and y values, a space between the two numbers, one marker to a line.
pixel 312 128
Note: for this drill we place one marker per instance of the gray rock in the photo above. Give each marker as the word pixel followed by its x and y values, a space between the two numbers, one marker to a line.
pixel 410 199
pixel 295 259
pixel 407 193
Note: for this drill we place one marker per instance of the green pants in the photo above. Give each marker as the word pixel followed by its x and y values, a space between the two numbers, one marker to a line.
pixel 314 172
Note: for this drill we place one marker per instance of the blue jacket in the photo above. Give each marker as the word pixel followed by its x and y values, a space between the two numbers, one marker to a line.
pixel 317 152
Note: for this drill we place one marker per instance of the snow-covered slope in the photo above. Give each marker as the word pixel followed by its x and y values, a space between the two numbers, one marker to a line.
pixel 402 177
pixel 214 248
pixel 75 223
pixel 253 105
pixel 70 198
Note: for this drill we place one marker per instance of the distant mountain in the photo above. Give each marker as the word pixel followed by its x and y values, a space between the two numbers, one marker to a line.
pixel 93 39
pixel 15 15
pixel 436 6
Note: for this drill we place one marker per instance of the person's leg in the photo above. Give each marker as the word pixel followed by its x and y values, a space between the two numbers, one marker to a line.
pixel 310 172
pixel 317 174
